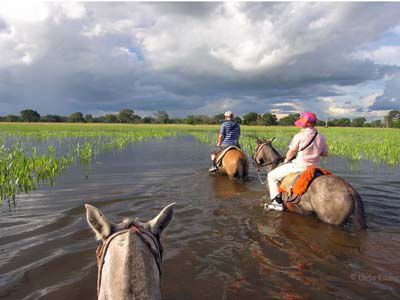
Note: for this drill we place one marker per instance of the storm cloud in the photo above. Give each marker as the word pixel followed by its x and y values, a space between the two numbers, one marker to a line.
pixel 200 57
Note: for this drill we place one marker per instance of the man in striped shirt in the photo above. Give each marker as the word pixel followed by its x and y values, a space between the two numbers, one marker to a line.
pixel 228 136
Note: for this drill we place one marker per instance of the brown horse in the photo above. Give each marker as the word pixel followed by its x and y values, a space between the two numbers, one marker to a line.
pixel 331 198
pixel 235 164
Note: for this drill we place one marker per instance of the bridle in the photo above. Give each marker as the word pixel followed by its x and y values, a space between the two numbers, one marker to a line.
pixel 257 151
pixel 152 241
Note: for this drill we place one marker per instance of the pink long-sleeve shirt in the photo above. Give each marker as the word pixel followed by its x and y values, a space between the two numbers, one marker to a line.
pixel 310 156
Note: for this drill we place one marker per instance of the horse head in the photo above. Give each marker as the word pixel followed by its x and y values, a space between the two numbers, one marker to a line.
pixel 265 154
pixel 130 257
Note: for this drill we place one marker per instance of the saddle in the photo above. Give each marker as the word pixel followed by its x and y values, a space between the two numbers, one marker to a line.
pixel 218 161
pixel 294 185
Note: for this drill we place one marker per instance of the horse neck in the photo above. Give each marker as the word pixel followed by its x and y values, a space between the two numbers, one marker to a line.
pixel 129 270
pixel 270 156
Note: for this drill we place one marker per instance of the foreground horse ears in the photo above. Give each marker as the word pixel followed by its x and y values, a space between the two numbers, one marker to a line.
pixel 162 220
pixel 103 228
pixel 98 222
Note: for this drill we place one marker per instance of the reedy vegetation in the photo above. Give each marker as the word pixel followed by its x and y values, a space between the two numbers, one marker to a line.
pixel 22 167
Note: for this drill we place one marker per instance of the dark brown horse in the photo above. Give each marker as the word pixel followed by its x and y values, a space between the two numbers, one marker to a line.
pixel 331 198
pixel 235 164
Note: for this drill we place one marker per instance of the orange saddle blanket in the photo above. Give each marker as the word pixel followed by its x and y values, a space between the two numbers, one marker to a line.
pixel 298 183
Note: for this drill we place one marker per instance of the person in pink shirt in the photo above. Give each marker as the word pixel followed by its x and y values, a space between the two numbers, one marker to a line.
pixel 309 146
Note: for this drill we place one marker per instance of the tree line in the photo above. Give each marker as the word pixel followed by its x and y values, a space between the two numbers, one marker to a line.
pixel 392 120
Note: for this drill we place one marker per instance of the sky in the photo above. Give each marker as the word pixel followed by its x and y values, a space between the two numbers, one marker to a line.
pixel 336 59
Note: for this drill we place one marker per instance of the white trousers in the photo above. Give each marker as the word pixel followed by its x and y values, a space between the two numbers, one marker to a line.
pixel 278 174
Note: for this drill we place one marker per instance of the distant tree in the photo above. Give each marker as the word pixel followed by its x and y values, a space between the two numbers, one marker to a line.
pixel 88 118
pixel 358 122
pixel 333 123
pixel 269 120
pixel 190 119
pixel 110 118
pixel 197 119
pixel 12 118
pixel 320 123
pixel 99 119
pixel 148 120
pixel 288 120
pixel 29 115
pixel 161 116
pixel 237 120
pixel 136 119
pixel 218 119
pixel 250 118
pixel 126 116
pixel 176 121
pixel 203 119
pixel 52 118
pixel 392 118
pixel 76 117
pixel 344 122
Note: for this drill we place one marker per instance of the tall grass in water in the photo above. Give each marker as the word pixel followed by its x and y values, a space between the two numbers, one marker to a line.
pixel 375 144
pixel 21 169
pixel 20 172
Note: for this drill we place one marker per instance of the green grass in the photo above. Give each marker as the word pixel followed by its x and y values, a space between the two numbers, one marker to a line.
pixel 22 166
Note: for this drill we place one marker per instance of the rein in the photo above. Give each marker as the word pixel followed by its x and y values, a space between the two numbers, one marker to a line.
pixel 258 166
pixel 144 234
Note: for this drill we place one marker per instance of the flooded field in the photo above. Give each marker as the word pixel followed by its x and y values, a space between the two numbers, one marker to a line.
pixel 220 244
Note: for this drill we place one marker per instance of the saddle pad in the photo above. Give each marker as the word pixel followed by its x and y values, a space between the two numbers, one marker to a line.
pixel 297 183
pixel 222 154
pixel 305 179
pixel 288 182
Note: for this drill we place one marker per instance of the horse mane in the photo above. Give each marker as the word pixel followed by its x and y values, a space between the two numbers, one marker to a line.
pixel 275 151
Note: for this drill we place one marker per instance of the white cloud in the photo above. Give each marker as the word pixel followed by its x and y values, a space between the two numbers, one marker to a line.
pixel 24 11
pixel 195 57
pixel 389 55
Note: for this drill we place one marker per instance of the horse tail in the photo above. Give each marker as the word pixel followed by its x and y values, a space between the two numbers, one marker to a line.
pixel 358 210
pixel 242 169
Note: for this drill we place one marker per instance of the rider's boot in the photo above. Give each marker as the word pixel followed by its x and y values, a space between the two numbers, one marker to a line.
pixel 214 168
pixel 277 204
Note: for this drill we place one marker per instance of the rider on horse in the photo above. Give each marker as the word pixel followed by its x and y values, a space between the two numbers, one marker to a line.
pixel 309 145
pixel 228 136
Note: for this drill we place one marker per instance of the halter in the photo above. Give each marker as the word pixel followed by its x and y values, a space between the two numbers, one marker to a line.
pixel 258 166
pixel 152 242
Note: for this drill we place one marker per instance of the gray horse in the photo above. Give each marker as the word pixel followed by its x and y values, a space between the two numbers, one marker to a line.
pixel 328 196
pixel 130 257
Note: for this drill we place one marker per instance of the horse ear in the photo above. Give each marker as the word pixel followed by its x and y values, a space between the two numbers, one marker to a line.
pixel 162 220
pixel 98 222
pixel 272 140
pixel 258 141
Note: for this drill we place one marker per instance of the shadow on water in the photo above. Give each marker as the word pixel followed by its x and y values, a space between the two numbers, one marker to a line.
pixel 220 244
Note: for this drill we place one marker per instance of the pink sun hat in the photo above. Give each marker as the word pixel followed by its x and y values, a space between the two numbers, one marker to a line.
pixel 307 118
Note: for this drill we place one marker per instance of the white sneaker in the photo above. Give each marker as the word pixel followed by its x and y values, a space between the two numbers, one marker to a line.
pixel 213 169
pixel 275 206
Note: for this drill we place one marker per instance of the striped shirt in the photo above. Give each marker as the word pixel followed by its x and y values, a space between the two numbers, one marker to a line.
pixel 231 133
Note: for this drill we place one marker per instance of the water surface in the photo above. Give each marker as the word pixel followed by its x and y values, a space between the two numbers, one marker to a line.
pixel 220 244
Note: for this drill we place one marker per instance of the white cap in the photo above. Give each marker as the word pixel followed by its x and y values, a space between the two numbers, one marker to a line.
pixel 228 114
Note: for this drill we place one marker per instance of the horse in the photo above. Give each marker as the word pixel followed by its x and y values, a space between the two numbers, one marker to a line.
pixel 235 164
pixel 129 260
pixel 331 198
